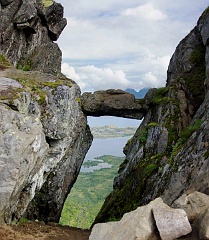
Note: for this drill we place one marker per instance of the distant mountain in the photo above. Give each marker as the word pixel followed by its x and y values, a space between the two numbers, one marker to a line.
pixel 140 94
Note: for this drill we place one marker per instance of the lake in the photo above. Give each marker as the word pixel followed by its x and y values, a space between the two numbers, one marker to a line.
pixel 104 146
pixel 107 146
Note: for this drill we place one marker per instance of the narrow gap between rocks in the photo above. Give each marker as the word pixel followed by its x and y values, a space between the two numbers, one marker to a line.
pixel 98 171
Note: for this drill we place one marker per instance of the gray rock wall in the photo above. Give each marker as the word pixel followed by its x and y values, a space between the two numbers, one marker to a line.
pixel 27 34
pixel 43 144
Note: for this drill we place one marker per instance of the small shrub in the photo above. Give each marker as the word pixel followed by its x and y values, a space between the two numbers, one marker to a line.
pixel 4 63
pixel 23 220
pixel 160 95
pixel 187 132
pixel 143 136
pixel 150 168
pixel 26 68
pixel 152 124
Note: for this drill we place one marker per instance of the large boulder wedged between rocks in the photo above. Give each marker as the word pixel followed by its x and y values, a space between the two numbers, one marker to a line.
pixel 113 103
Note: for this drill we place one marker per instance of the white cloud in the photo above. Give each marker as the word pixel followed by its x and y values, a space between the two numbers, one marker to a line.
pixel 147 11
pixel 114 44
pixel 71 74
pixel 91 78
pixel 150 79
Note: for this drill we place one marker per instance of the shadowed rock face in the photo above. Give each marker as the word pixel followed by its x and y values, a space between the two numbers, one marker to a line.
pixel 113 103
pixel 27 32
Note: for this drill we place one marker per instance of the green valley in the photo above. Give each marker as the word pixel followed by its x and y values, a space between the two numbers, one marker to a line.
pixel 89 193
pixel 112 131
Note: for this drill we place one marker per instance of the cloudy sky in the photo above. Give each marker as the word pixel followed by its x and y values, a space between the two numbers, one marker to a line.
pixel 124 44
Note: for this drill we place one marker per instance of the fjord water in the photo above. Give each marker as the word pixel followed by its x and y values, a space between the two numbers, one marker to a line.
pixel 101 147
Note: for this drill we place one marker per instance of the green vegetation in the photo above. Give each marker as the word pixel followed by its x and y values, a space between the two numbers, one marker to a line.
pixel 112 131
pixel 144 132
pixel 4 63
pixel 143 135
pixel 47 3
pixel 33 87
pixel 89 193
pixel 150 168
pixel 126 197
pixel 33 83
pixel 187 132
pixel 23 220
pixel 78 100
pixel 160 95
pixel 184 136
pixel 27 68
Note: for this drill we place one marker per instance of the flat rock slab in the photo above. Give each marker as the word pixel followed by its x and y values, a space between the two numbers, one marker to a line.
pixel 6 83
pixel 171 223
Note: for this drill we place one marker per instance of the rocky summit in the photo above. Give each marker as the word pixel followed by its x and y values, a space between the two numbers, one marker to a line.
pixel 44 135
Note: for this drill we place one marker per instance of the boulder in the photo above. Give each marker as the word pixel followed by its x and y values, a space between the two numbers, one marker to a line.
pixel 194 204
pixel 204 225
pixel 54 20
pixel 171 223
pixel 113 103
pixel 138 224
pixel 141 225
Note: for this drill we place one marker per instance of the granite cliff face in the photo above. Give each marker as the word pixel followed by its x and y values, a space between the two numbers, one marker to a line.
pixel 168 155
pixel 43 132
pixel 27 32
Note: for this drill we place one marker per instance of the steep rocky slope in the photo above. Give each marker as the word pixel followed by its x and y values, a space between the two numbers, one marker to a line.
pixel 169 154
pixel 43 132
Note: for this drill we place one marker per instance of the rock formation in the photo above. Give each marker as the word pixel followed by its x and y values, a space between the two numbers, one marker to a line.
pixel 27 32
pixel 113 103
pixel 43 132
pixel 144 223
pixel 169 153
